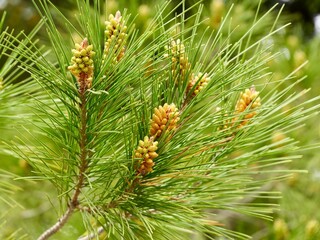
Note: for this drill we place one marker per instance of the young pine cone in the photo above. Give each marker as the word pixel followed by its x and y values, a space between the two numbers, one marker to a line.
pixel 82 64
pixel 116 36
pixel 164 118
pixel 146 152
pixel 179 58
pixel 204 79
pixel 248 99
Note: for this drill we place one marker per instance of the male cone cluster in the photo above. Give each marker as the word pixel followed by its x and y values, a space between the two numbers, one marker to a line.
pixel 116 37
pixel 164 118
pixel 82 63
pixel 249 100
pixel 146 152
pixel 180 62
pixel 179 58
pixel 201 80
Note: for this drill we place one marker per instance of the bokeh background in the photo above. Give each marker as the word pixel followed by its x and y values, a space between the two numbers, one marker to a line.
pixel 298 216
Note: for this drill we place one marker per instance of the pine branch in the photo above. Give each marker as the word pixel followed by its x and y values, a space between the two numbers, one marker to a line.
pixel 56 227
pixel 74 203
pixel 84 162
pixel 147 143
pixel 84 81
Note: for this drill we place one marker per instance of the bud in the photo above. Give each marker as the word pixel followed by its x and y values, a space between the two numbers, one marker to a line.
pixel 164 118
pixel 112 5
pixel 293 179
pixel 299 57
pixel 312 229
pixel 145 153
pixel 293 41
pixel 248 99
pixel 144 11
pixel 217 8
pixel 82 64
pixel 280 228
pixel 277 137
pixel 204 79
pixel 179 58
pixel 116 37
pixel 24 164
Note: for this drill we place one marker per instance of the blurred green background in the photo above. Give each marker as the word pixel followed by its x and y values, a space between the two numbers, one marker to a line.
pixel 299 214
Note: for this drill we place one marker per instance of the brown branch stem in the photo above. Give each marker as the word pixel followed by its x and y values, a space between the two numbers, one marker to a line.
pixel 83 165
pixel 58 225
pixel 83 149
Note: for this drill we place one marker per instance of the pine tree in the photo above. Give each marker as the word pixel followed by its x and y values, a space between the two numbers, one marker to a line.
pixel 152 139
